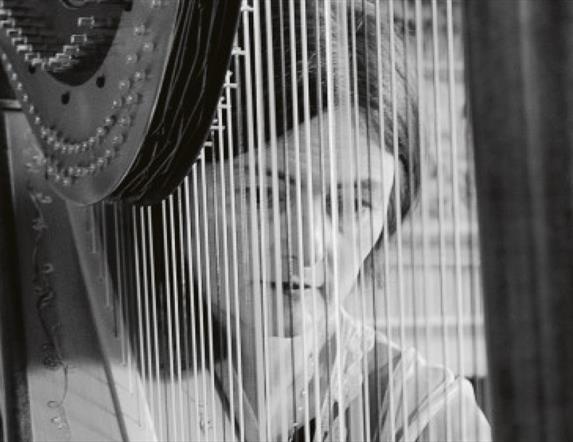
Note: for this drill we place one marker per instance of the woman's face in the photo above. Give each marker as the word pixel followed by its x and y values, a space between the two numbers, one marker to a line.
pixel 288 239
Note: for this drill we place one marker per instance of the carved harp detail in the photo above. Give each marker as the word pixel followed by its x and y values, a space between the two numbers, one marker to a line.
pixel 256 220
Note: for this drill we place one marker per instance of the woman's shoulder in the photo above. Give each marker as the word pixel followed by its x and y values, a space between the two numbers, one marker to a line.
pixel 421 399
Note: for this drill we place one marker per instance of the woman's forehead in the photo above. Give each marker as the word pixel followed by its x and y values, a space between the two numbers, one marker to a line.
pixel 333 147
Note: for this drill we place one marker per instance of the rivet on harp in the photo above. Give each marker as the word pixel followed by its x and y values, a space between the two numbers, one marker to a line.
pixel 140 30
pixel 93 22
pixel 8 23
pixel 246 7
pixel 228 83
pixel 107 2
pixel 24 48
pixel 79 38
pixel 71 50
pixel 237 51
pixel 27 39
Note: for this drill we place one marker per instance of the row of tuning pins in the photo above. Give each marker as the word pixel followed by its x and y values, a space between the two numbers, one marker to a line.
pixel 41 47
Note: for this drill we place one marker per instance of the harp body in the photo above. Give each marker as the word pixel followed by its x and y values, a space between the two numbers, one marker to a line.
pixel 108 329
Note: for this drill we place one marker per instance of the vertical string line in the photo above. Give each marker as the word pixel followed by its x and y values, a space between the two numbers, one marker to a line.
pixel 409 181
pixel 232 194
pixel 310 218
pixel 215 250
pixel 118 315
pixel 105 258
pixel 439 160
pixel 254 234
pixel 146 313
pixel 357 237
pixel 125 283
pixel 169 315
pixel 300 280
pixel 176 306
pixel 455 197
pixel 157 351
pixel 137 273
pixel 278 278
pixel 320 86
pixel 199 239
pixel 242 123
pixel 208 288
pixel 420 66
pixel 192 301
pixel 398 211
pixel 288 204
pixel 224 192
pixel 263 200
pixel 351 207
pixel 333 189
pixel 390 392
pixel 185 289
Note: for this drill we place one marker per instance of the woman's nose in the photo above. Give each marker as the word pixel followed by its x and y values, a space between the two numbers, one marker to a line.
pixel 313 234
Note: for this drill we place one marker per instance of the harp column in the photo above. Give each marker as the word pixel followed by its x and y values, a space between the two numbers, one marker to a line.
pixel 521 84
pixel 14 401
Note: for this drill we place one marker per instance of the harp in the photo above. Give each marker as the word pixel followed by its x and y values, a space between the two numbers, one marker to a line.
pixel 233 256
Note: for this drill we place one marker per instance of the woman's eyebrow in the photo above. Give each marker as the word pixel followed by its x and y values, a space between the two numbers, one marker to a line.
pixel 282 176
pixel 365 184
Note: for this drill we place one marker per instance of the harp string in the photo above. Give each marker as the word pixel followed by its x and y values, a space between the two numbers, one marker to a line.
pixel 440 179
pixel 397 209
pixel 408 59
pixel 218 287
pixel 212 422
pixel 288 208
pixel 276 219
pixel 148 375
pixel 455 197
pixel 356 194
pixel 127 290
pixel 185 297
pixel 193 295
pixel 310 220
pixel 330 11
pixel 235 279
pixel 299 271
pixel 254 246
pixel 423 197
pixel 260 169
pixel 169 315
pixel 150 258
pixel 199 240
pixel 138 301
pixel 390 392
pixel 176 305
pixel 225 254
pixel 118 308
pixel 352 185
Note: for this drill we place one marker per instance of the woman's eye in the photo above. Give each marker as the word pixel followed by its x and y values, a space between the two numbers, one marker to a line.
pixel 361 204
pixel 265 196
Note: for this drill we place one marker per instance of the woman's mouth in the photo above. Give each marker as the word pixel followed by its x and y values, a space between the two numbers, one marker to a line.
pixel 291 287
pixel 294 305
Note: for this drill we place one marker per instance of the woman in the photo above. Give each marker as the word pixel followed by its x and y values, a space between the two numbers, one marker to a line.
pixel 306 186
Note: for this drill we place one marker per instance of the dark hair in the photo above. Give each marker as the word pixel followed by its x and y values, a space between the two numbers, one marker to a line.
pixel 369 33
